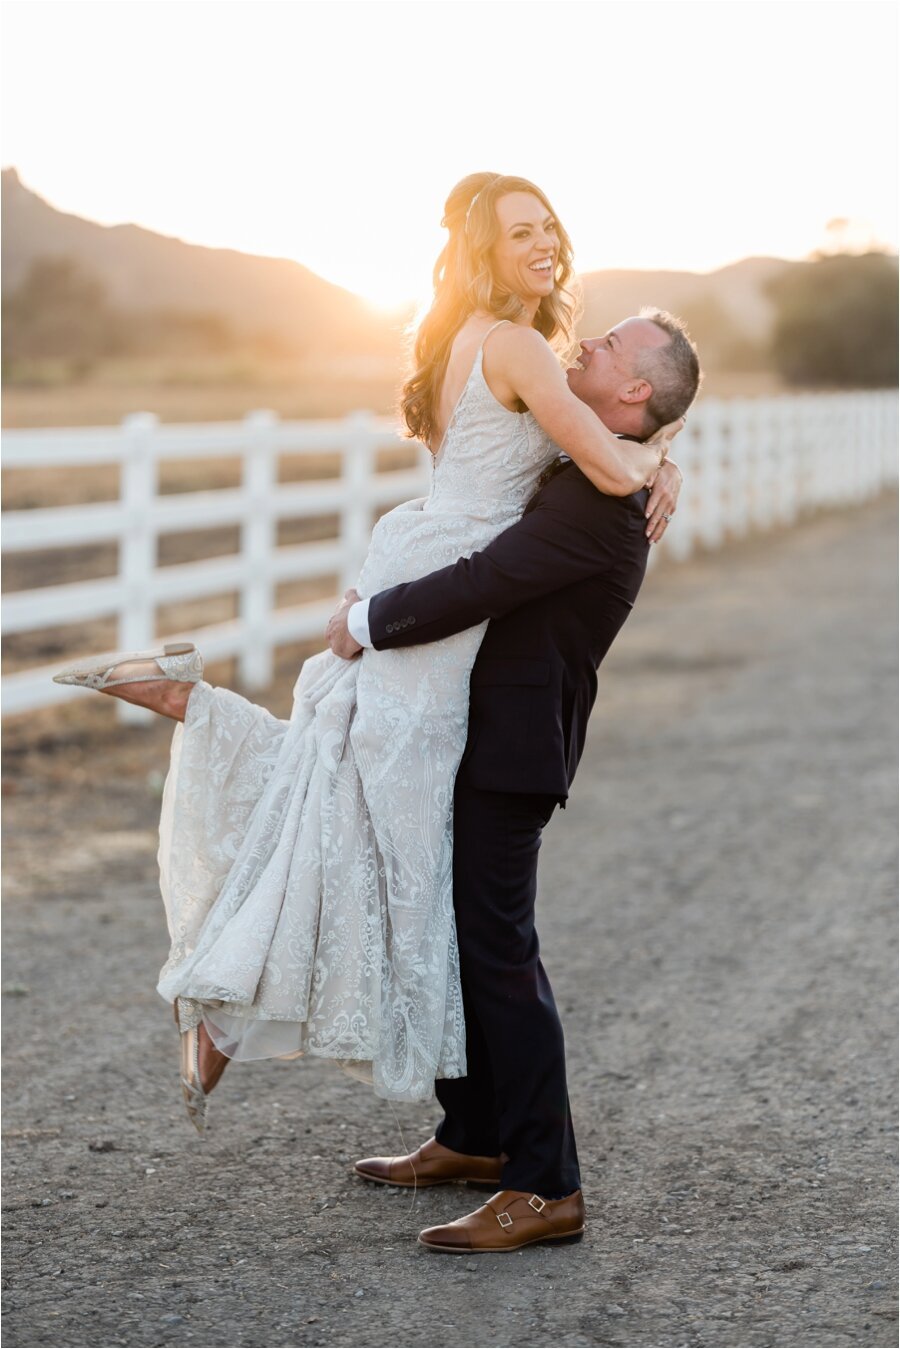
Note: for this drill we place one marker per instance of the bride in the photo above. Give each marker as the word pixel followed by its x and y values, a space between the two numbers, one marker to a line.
pixel 305 865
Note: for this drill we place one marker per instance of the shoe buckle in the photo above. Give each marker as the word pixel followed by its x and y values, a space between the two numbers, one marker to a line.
pixel 537 1203
pixel 504 1220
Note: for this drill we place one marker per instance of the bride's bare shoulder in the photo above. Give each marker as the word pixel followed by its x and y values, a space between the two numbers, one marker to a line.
pixel 518 337
pixel 468 339
pixel 517 357
pixel 513 346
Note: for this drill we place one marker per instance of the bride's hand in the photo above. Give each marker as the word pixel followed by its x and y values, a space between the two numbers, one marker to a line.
pixel 665 486
pixel 661 440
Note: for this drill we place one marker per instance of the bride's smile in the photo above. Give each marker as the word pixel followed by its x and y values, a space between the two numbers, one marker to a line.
pixel 527 249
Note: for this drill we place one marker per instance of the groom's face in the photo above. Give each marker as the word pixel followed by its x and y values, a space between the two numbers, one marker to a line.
pixel 605 377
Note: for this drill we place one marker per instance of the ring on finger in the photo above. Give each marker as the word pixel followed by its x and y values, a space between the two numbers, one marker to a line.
pixel 666 517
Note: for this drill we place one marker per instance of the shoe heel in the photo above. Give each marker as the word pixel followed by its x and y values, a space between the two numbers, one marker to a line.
pixel 195 1099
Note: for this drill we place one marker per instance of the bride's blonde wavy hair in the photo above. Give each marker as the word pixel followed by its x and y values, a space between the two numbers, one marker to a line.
pixel 464 282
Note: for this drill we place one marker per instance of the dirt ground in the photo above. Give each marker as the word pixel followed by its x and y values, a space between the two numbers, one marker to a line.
pixel 717 916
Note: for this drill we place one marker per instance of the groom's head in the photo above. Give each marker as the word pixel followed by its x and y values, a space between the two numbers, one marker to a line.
pixel 639 376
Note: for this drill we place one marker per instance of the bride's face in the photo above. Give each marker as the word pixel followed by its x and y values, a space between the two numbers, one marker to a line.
pixel 527 248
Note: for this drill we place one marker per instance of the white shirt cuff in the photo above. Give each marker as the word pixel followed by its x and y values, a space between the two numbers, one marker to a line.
pixel 358 622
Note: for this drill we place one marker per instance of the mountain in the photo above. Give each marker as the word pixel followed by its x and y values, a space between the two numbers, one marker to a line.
pixel 738 291
pixel 142 271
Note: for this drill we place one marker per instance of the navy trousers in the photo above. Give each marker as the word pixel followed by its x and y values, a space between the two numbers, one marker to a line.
pixel 514 1100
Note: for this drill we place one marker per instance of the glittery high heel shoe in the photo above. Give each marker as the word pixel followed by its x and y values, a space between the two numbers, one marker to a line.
pixel 179 661
pixel 195 1098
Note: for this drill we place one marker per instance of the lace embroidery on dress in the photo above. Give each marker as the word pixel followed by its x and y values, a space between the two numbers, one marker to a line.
pixel 306 865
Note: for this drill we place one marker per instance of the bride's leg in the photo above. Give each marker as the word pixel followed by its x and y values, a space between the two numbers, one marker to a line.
pixel 167 697
pixel 161 681
pixel 212 1062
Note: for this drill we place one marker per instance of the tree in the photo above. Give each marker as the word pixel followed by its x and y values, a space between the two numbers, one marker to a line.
pixel 723 344
pixel 62 311
pixel 59 310
pixel 836 322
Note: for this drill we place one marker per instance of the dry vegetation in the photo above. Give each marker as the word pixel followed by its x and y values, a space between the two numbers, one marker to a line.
pixel 197 390
pixel 225 390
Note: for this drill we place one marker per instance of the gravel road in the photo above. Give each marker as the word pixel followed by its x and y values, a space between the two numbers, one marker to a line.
pixel 717 919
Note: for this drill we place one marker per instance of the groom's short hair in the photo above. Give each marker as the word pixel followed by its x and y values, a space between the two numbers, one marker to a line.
pixel 672 370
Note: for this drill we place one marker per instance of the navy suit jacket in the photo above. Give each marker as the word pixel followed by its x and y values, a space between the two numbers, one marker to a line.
pixel 557 587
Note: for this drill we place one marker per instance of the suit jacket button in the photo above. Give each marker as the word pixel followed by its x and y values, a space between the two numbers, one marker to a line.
pixel 390 627
pixel 412 618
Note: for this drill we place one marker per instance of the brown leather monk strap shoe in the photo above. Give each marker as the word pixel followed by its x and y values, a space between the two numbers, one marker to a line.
pixel 431 1164
pixel 508 1221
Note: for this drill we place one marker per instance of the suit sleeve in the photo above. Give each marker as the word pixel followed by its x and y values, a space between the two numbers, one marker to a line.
pixel 574 532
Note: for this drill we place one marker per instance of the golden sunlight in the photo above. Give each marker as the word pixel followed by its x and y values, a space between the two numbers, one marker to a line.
pixel 339 153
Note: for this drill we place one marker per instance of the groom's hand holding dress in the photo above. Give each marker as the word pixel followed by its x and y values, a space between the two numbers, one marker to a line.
pixel 337 633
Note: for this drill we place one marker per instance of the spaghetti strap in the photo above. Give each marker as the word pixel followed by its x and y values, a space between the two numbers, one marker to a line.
pixel 477 364
pixel 498 324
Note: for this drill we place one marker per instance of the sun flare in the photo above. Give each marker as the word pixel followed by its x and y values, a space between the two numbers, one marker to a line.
pixel 343 163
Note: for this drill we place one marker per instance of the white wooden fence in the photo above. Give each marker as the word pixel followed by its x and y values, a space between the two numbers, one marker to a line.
pixel 748 465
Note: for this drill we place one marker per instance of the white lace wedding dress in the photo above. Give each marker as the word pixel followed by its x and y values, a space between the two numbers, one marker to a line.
pixel 306 864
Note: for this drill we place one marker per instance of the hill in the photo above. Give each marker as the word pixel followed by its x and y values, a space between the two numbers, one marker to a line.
pixel 728 309
pixel 142 271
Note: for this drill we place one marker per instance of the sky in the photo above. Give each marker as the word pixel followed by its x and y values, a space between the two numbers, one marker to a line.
pixel 685 134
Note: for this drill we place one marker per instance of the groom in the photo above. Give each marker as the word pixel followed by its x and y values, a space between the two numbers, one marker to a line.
pixel 557 586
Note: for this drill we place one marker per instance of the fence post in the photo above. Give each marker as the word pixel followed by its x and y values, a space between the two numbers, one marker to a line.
pixel 765 465
pixel 678 540
pixel 137 546
pixel 869 415
pixel 786 428
pixel 851 451
pixel 832 436
pixel 258 542
pixel 356 515
pixel 886 430
pixel 741 449
pixel 864 422
pixel 806 454
pixel 711 450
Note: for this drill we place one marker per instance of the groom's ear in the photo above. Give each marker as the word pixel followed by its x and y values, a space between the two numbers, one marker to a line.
pixel 636 391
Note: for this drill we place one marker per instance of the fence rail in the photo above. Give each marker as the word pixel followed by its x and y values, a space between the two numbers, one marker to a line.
pixel 748 465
